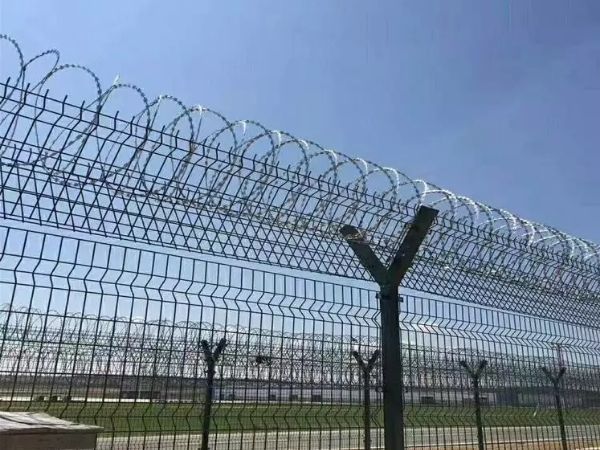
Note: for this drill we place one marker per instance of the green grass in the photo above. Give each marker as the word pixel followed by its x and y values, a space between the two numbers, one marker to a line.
pixel 172 418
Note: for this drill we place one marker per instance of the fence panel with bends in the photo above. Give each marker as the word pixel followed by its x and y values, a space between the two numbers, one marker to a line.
pixel 189 282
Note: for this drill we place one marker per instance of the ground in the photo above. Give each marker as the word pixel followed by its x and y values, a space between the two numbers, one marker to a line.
pixel 232 417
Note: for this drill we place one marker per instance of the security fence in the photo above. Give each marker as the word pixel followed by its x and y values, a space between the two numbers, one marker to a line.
pixel 189 282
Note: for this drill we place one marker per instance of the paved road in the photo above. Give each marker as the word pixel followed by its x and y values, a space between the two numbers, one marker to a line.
pixel 580 437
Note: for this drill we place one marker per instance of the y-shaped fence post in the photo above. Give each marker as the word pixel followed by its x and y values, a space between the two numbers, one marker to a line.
pixel 366 369
pixel 559 411
pixel 475 377
pixel 210 358
pixel 389 280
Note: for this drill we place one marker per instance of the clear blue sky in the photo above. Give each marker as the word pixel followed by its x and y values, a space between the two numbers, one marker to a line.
pixel 497 100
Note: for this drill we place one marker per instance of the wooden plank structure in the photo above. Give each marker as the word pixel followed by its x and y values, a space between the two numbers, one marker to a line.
pixel 39 431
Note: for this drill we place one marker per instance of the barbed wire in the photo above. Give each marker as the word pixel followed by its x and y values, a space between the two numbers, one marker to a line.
pixel 247 134
pixel 99 346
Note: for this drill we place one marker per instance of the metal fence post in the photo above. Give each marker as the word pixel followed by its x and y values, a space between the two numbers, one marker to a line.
pixel 557 401
pixel 389 279
pixel 366 370
pixel 210 358
pixel 393 372
pixel 475 377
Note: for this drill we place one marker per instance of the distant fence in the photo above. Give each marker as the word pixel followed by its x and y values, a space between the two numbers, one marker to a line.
pixel 182 281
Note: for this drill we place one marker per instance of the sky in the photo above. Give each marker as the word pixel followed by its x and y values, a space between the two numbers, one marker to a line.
pixel 496 100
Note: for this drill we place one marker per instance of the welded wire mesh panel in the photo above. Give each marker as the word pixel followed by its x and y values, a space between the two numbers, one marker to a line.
pixel 101 333
pixel 446 342
pixel 106 334
pixel 71 167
